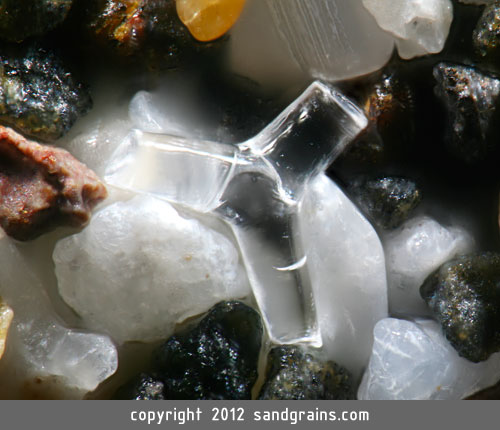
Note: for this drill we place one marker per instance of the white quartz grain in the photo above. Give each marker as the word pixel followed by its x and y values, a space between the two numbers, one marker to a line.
pixel 40 345
pixel 414 251
pixel 414 361
pixel 420 26
pixel 347 268
pixel 140 267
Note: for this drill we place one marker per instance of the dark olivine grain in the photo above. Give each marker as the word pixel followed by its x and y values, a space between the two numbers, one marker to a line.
pixel 217 359
pixel 20 19
pixel 464 296
pixel 471 99
pixel 143 387
pixel 486 36
pixel 149 30
pixel 38 94
pixel 293 373
pixel 388 201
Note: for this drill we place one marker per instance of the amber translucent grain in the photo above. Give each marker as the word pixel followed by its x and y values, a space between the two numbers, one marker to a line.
pixel 209 19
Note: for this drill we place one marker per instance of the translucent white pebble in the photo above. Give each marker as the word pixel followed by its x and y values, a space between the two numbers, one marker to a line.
pixel 331 39
pixel 95 137
pixel 414 361
pixel 413 252
pixel 256 50
pixel 139 268
pixel 39 345
pixel 84 359
pixel 173 107
pixel 347 269
pixel 149 114
pixel 420 26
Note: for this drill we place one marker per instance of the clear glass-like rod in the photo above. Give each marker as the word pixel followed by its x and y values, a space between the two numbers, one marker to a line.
pixel 255 186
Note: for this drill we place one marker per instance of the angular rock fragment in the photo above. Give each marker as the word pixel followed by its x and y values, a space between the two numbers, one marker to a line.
pixel 119 23
pixel 215 360
pixel 471 99
pixel 486 36
pixel 148 29
pixel 22 19
pixel 43 187
pixel 412 252
pixel 390 108
pixel 388 97
pixel 6 316
pixel 294 373
pixel 38 94
pixel 464 296
pixel 388 201
pixel 414 361
pixel 139 268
